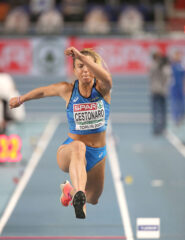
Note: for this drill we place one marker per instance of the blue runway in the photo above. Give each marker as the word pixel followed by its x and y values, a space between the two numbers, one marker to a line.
pixel 152 174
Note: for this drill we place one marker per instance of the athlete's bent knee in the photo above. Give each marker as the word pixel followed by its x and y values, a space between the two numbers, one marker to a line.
pixel 78 147
pixel 93 202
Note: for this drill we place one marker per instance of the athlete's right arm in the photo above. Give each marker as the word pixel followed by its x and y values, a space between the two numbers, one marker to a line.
pixel 62 89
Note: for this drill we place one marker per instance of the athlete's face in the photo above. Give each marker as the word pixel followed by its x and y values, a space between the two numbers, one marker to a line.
pixel 82 72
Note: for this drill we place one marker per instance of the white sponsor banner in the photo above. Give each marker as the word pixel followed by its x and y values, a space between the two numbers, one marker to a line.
pixel 148 228
pixel 48 56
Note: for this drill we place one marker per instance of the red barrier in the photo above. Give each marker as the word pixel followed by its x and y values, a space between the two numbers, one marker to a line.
pixel 15 56
pixel 30 56
pixel 127 55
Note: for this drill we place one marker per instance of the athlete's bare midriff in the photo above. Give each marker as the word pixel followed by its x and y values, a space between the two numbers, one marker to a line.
pixel 92 140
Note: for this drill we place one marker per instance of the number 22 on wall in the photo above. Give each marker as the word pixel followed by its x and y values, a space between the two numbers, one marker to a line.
pixel 10 147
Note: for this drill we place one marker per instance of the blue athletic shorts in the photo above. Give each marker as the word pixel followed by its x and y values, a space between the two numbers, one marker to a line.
pixel 93 155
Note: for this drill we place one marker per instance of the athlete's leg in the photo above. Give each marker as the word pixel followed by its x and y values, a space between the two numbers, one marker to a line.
pixel 71 158
pixel 95 182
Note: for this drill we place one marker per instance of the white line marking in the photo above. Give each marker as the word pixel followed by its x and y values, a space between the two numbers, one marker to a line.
pixel 175 141
pixel 119 187
pixel 36 156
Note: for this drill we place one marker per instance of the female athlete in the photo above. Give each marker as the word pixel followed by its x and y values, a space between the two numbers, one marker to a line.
pixel 87 105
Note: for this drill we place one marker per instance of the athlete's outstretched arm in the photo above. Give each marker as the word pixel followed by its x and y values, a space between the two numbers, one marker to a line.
pixel 103 76
pixel 61 89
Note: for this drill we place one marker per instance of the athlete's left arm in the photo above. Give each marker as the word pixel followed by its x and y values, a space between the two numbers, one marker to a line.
pixel 104 79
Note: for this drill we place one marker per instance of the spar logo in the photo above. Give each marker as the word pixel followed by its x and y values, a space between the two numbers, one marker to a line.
pixel 84 107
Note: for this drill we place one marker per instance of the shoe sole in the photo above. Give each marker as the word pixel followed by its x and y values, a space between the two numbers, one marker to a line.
pixel 79 201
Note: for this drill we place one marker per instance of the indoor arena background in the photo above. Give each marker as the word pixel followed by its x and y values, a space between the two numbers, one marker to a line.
pixel 144 193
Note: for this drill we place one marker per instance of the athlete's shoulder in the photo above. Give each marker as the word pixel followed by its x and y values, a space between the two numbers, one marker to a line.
pixel 65 86
pixel 63 89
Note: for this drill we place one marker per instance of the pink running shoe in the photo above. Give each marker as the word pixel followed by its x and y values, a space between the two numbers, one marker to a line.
pixel 65 197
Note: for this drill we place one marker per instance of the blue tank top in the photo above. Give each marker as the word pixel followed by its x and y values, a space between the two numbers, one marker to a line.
pixel 87 115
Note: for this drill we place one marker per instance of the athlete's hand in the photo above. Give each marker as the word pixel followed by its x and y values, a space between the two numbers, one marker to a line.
pixel 14 102
pixel 73 52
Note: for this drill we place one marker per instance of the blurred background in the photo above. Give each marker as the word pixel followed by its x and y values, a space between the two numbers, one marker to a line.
pixel 143 45
pixel 80 16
